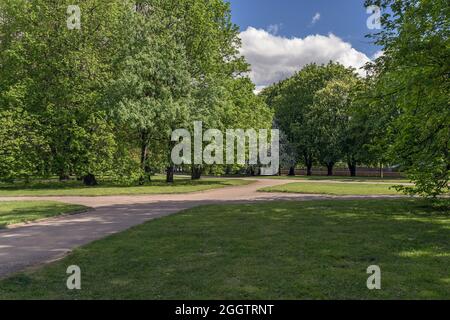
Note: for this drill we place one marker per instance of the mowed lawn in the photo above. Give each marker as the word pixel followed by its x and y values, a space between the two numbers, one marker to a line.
pixel 25 211
pixel 279 250
pixel 331 188
pixel 106 188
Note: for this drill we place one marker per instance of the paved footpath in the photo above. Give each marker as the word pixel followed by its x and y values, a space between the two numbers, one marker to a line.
pixel 47 240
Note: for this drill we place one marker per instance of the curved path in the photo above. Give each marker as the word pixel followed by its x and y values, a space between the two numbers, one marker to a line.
pixel 47 240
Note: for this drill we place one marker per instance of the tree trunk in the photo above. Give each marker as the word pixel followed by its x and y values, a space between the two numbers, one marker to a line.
pixel 292 171
pixel 196 172
pixel 169 174
pixel 352 168
pixel 148 173
pixel 309 170
pixel 309 165
pixel 90 180
pixel 144 156
pixel 330 167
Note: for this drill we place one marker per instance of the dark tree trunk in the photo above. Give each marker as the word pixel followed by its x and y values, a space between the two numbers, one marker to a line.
pixel 169 174
pixel 309 165
pixel 143 155
pixel 148 173
pixel 146 176
pixel 292 171
pixel 309 170
pixel 352 168
pixel 90 180
pixel 196 172
pixel 330 167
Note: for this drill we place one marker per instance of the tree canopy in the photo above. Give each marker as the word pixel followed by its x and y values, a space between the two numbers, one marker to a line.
pixel 107 95
pixel 411 83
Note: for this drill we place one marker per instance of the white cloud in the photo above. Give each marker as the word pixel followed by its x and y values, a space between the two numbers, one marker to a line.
pixel 315 18
pixel 378 54
pixel 274 58
pixel 274 28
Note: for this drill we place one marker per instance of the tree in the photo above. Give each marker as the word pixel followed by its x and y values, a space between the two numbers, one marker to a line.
pixel 58 75
pixel 151 93
pixel 204 45
pixel 412 81
pixel 330 116
pixel 246 111
pixel 293 100
pixel 368 138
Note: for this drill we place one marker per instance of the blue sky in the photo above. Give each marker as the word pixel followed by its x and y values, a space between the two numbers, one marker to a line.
pixel 346 20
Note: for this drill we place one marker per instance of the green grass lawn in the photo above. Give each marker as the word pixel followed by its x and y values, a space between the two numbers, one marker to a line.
pixel 342 179
pixel 335 188
pixel 105 188
pixel 280 250
pixel 12 212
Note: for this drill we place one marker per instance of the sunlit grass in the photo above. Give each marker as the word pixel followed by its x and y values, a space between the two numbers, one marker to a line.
pixel 335 188
pixel 108 188
pixel 342 179
pixel 25 211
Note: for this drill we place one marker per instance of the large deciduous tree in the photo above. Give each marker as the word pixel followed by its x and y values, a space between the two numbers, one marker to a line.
pixel 412 82
pixel 331 117
pixel 58 74
pixel 151 93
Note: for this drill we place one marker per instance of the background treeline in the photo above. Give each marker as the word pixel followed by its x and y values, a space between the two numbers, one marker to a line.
pixel 398 115
pixel 103 100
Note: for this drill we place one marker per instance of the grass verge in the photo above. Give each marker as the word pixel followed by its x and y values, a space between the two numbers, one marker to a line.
pixel 13 212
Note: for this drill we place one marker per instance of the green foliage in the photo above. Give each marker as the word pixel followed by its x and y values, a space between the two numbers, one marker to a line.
pixel 23 149
pixel 58 76
pixel 331 116
pixel 105 98
pixel 150 93
pixel 411 84
pixel 313 109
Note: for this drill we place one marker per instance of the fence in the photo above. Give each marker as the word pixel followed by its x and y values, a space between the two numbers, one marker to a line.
pixel 360 172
